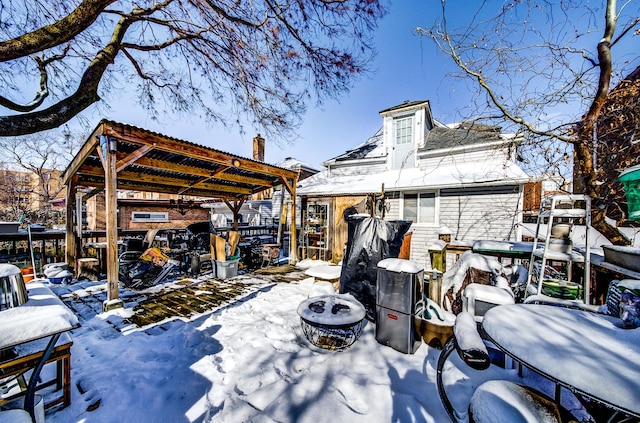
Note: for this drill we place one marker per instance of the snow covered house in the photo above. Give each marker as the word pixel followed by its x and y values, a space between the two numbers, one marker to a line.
pixel 460 179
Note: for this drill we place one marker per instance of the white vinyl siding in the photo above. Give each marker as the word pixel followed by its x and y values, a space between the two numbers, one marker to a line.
pixel 481 213
pixel 470 214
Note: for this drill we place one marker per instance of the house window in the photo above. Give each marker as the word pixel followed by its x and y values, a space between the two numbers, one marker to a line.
pixel 420 208
pixel 404 130
pixel 149 216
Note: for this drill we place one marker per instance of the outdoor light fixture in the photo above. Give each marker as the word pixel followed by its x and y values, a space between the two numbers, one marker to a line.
pixel 181 205
pixel 113 144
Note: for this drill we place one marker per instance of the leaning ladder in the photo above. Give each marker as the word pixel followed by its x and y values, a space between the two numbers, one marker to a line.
pixel 563 209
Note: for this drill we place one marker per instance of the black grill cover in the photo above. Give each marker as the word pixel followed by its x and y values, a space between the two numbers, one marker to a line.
pixel 369 240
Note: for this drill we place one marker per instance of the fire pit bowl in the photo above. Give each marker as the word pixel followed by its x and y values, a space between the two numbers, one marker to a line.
pixel 332 322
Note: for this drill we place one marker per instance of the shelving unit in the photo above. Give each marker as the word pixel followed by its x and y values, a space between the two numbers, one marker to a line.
pixel 560 213
pixel 317 231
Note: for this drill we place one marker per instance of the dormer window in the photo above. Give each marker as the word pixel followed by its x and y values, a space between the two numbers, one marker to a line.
pixel 404 130
pixel 403 150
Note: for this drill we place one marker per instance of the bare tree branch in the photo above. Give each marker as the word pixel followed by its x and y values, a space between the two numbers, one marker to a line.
pixel 255 60
pixel 55 34
pixel 44 87
pixel 530 59
pixel 83 97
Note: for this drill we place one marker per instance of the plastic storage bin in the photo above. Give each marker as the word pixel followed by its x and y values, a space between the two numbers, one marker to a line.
pixel 225 269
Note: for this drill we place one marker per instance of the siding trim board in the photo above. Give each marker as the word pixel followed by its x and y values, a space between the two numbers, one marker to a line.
pixel 486 190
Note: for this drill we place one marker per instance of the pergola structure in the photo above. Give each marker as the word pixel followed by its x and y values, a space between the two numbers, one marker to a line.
pixel 120 156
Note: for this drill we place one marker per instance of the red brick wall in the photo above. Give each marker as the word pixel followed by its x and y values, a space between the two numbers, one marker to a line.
pixel 532 196
pixel 176 220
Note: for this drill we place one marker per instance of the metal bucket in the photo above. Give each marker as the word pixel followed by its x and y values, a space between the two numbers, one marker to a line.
pixel 13 290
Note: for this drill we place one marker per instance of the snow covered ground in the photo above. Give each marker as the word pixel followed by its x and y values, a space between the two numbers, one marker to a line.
pixel 250 362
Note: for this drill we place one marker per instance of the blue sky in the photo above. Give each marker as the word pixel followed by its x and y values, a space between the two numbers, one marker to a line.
pixel 404 69
pixel 407 67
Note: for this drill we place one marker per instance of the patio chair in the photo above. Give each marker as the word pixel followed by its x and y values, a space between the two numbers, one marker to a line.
pixel 494 401
pixel 132 248
pixel 270 255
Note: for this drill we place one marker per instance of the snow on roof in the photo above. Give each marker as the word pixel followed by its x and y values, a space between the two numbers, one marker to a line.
pixel 373 147
pixel 439 137
pixel 293 163
pixel 463 134
pixel 442 176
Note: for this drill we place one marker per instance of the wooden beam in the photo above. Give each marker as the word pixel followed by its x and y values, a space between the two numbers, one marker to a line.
pixel 289 184
pixel 85 151
pixel 100 154
pixel 235 208
pixel 111 204
pixel 93 193
pixel 293 232
pixel 78 213
pixel 127 160
pixel 176 183
pixel 219 173
pixel 193 185
pixel 159 189
pixel 175 146
pixel 205 179
pixel 70 239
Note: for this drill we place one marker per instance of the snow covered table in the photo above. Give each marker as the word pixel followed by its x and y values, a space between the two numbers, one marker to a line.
pixel 588 353
pixel 508 249
pixel 43 316
pixel 326 272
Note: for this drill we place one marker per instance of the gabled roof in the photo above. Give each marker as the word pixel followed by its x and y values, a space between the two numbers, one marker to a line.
pixel 292 163
pixel 463 134
pixel 372 147
pixel 440 137
pixel 152 162
pixel 442 176
pixel 408 104
pixel 441 141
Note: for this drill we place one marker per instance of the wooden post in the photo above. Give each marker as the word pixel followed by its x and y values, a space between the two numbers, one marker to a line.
pixel 79 196
pixel 293 233
pixel 383 204
pixel 283 218
pixel 235 208
pixel 108 147
pixel 70 239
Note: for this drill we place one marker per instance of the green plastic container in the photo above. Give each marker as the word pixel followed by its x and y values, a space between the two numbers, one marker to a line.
pixel 630 178
pixel 561 289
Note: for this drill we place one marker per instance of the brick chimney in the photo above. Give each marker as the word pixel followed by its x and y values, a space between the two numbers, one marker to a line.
pixel 258 148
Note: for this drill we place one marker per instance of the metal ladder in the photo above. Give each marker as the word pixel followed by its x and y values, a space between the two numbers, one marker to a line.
pixel 559 211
